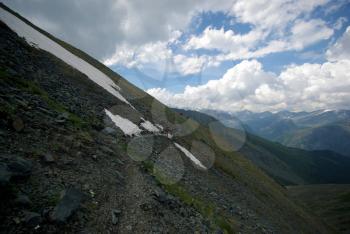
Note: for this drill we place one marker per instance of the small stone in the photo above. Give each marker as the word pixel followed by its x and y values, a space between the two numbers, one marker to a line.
pixel 23 200
pixel 94 157
pixel 109 131
pixel 114 219
pixel 160 197
pixel 146 207
pixel 129 227
pixel 115 213
pixel 16 220
pixel 17 124
pixel 62 118
pixel 5 174
pixel 48 158
pixel 106 149
pixel 32 219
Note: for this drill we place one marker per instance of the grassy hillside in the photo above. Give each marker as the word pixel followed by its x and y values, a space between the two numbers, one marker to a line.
pixel 288 165
pixel 330 136
pixel 317 130
pixel 329 201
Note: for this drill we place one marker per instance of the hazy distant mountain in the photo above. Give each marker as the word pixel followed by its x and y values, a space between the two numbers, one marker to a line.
pixel 287 165
pixel 317 130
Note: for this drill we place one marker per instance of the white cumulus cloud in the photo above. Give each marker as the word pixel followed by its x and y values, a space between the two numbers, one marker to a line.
pixel 341 49
pixel 247 85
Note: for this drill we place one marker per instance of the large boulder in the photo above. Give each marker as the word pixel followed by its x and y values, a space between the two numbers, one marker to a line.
pixel 69 203
pixel 20 167
pixel 32 219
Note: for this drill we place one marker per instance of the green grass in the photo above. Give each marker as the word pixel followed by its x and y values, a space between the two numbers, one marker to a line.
pixel 344 197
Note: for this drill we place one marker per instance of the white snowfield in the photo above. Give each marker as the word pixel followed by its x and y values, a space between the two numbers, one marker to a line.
pixel 190 156
pixel 128 127
pixel 149 126
pixel 43 42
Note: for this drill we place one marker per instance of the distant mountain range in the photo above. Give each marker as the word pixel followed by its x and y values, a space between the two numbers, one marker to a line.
pixel 285 164
pixel 317 130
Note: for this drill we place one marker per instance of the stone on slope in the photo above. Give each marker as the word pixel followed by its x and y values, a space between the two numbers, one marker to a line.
pixel 48 158
pixel 32 219
pixel 69 203
pixel 109 131
pixel 20 167
pixel 5 174
pixel 23 200
pixel 17 124
pixel 115 213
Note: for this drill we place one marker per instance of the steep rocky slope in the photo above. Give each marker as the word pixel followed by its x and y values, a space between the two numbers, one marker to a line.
pixel 81 156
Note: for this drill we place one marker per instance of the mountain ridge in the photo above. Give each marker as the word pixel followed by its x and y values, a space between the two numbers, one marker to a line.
pixel 287 165
pixel 305 130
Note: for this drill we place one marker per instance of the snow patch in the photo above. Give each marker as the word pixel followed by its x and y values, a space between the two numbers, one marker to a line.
pixel 128 127
pixel 160 127
pixel 169 135
pixel 38 39
pixel 149 126
pixel 190 156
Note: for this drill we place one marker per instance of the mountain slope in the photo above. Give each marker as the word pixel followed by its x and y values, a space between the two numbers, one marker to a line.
pixel 329 201
pixel 331 136
pixel 317 130
pixel 113 154
pixel 287 165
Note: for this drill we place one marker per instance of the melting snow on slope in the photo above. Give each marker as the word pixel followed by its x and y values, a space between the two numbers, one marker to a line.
pixel 45 43
pixel 128 127
pixel 149 126
pixel 190 156
pixel 160 127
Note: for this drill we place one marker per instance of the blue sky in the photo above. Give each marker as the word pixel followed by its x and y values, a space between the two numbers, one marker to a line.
pixel 147 78
pixel 231 55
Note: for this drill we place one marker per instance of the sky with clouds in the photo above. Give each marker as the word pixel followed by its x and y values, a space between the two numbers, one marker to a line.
pixel 228 55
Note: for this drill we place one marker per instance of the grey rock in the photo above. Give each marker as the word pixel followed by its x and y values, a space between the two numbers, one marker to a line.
pixel 62 117
pixel 48 158
pixel 5 174
pixel 17 123
pixel 146 206
pixel 32 219
pixel 94 157
pixel 20 167
pixel 69 203
pixel 106 149
pixel 115 213
pixel 160 196
pixel 23 200
pixel 109 131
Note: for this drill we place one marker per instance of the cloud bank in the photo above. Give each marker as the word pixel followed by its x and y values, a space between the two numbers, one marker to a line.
pixel 248 86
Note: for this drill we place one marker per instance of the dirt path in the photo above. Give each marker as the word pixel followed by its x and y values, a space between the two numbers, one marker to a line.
pixel 137 192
